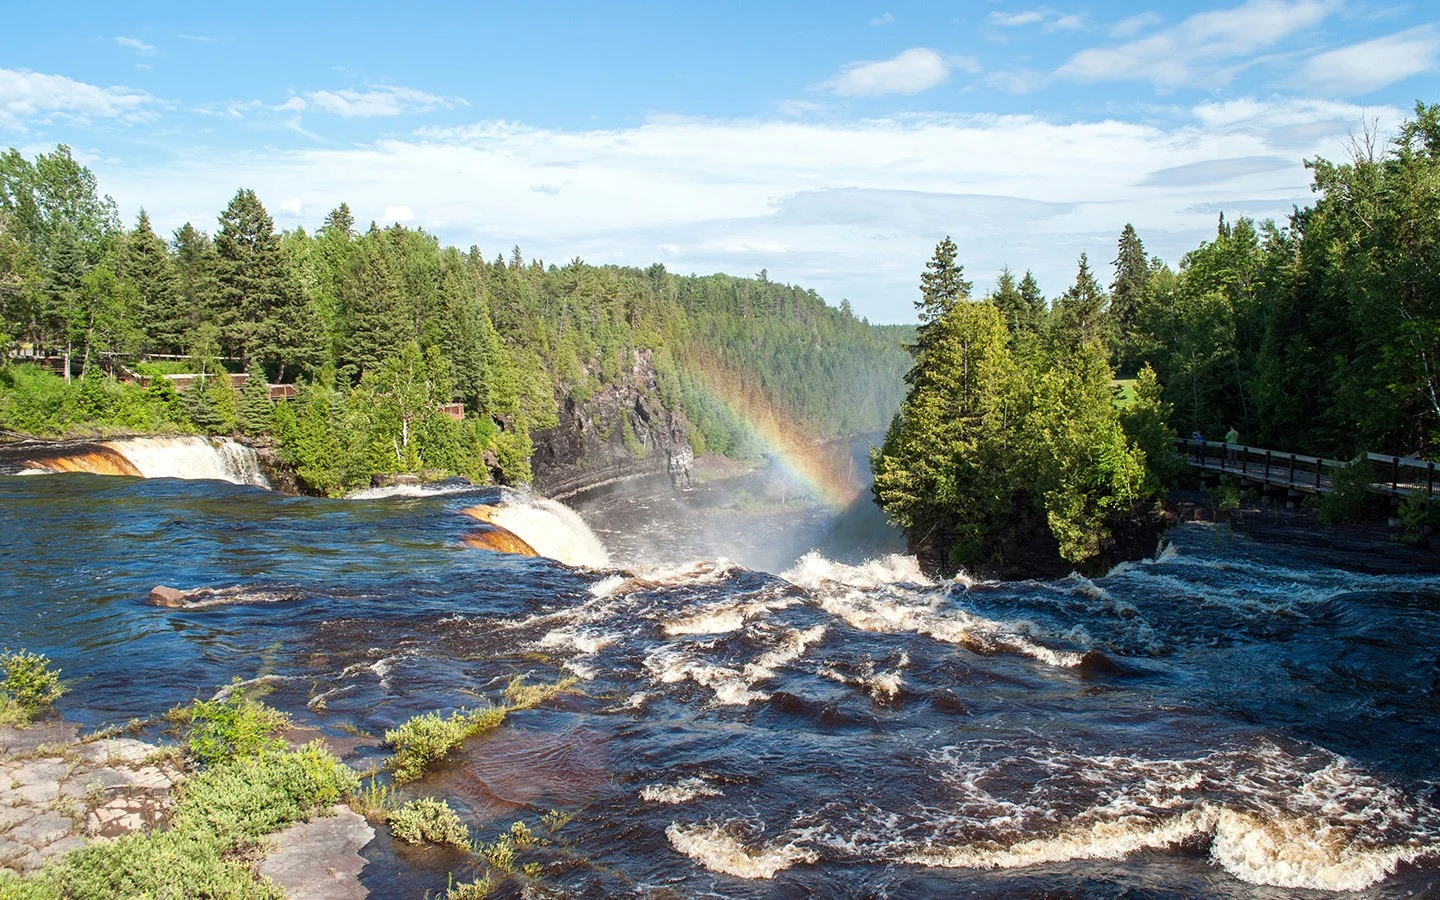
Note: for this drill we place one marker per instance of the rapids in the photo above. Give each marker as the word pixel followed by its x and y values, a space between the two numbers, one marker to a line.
pixel 1239 717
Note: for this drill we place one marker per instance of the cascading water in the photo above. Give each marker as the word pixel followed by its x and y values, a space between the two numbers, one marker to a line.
pixel 1264 719
pixel 190 457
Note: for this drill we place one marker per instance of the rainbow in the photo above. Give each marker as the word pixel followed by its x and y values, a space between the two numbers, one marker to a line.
pixel 827 468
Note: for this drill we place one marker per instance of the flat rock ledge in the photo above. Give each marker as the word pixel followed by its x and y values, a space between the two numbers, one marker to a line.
pixel 57 794
pixel 320 859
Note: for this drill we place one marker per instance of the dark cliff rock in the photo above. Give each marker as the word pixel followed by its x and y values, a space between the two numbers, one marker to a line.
pixel 620 432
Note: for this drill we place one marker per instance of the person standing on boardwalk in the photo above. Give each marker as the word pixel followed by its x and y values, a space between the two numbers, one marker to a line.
pixel 1232 437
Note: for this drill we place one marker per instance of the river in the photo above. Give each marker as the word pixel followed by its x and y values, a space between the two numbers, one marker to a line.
pixel 1240 717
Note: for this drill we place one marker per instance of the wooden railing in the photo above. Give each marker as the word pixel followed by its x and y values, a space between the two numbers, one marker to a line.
pixel 1396 476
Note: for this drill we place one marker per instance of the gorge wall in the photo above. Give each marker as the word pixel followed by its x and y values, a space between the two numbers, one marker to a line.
pixel 621 431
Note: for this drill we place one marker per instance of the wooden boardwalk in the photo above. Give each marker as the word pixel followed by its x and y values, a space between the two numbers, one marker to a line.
pixel 1395 476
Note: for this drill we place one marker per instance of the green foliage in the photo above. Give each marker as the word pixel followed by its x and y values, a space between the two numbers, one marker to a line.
pixel 429 821
pixel 217 824
pixel 232 726
pixel 1146 420
pixel 31 683
pixel 429 737
pixel 1349 497
pixel 1417 513
pixel 255 411
pixel 997 438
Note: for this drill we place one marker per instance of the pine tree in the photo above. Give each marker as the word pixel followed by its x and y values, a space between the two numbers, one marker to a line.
pixel 1127 294
pixel 147 264
pixel 256 409
pixel 197 284
pixel 375 308
pixel 942 287
pixel 272 320
pixel 1080 315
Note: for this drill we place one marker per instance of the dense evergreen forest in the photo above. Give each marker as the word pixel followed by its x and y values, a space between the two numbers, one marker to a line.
pixel 379 327
pixel 1319 335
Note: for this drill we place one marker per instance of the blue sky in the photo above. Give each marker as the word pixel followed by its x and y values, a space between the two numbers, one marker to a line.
pixel 832 144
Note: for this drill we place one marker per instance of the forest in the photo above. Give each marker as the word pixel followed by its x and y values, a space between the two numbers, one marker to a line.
pixel 1319 335
pixel 380 326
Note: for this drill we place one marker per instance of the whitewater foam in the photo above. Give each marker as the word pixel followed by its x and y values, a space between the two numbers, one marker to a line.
pixel 553 529
pixel 682 791
pixel 191 457
pixel 715 848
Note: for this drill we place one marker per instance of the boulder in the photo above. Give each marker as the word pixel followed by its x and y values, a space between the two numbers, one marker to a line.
pixel 160 595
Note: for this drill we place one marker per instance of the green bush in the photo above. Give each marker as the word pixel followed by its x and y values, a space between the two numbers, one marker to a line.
pixel 429 737
pixel 218 822
pixel 1350 496
pixel 228 727
pixel 429 821
pixel 31 683
pixel 1416 513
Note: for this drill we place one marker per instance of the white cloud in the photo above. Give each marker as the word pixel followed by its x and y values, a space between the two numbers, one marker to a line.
pixel 1207 49
pixel 915 70
pixel 1135 24
pixel 26 95
pixel 198 38
pixel 135 44
pixel 885 19
pixel 798 108
pixel 1018 81
pixel 375 100
pixel 852 209
pixel 1049 19
pixel 1364 67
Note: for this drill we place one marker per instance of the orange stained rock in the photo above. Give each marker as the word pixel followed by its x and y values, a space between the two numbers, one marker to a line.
pixel 483 512
pixel 501 540
pixel 96 459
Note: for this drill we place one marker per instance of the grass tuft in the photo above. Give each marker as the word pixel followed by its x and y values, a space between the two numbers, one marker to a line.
pixel 31 684
pixel 429 821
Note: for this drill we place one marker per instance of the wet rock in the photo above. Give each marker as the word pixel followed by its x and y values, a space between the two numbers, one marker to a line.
pixel 160 595
pixel 320 859
pixel 394 479
pixel 115 750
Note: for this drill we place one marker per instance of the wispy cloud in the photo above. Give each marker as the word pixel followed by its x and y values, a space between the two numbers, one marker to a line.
pixel 850 208
pixel 1364 67
pixel 1048 19
pixel 1133 25
pixel 198 38
pixel 1207 49
pixel 373 101
pixel 27 96
pixel 915 70
pixel 884 19
pixel 135 44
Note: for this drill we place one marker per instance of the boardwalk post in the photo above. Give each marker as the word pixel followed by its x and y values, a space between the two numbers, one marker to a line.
pixel 1244 459
pixel 1395 475
pixel 1292 470
pixel 1267 466
pixel 1430 480
pixel 1317 475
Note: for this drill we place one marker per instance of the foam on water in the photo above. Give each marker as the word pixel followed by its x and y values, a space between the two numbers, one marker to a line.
pixel 676 792
pixel 715 848
pixel 410 491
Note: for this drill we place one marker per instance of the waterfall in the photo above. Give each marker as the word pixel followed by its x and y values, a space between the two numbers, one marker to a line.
pixel 219 459
pixel 552 529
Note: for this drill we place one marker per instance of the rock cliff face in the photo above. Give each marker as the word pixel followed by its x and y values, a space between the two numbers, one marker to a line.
pixel 620 432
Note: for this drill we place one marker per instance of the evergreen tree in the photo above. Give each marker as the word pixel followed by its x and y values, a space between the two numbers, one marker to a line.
pixel 271 321
pixel 1127 292
pixel 1080 316
pixel 146 263
pixel 199 300
pixel 256 410
pixel 942 288
pixel 375 308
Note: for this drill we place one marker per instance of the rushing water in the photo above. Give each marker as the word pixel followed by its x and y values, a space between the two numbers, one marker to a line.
pixel 1238 718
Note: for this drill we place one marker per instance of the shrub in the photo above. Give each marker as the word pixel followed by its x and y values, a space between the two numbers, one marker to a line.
pixel 1350 495
pixel 31 683
pixel 429 821
pixel 1416 513
pixel 221 816
pixel 429 737
pixel 231 726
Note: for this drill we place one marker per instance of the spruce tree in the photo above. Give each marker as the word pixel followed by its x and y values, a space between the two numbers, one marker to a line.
pixel 1080 315
pixel 942 287
pixel 197 284
pixel 375 308
pixel 256 408
pixel 272 321
pixel 147 264
pixel 1127 293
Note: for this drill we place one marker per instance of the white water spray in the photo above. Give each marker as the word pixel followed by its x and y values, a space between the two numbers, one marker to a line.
pixel 191 457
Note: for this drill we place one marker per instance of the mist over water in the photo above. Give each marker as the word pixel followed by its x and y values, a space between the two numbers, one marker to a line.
pixel 1240 717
